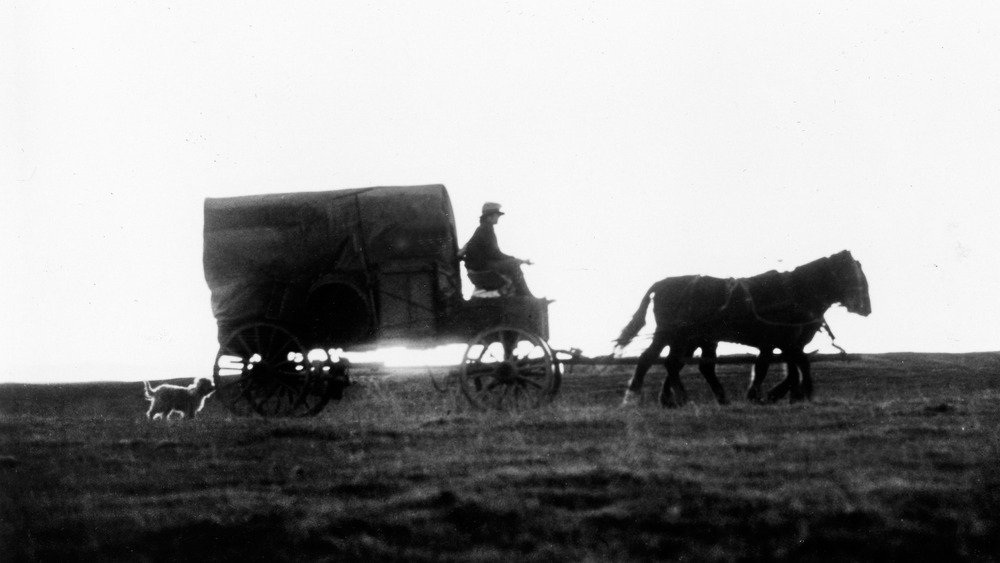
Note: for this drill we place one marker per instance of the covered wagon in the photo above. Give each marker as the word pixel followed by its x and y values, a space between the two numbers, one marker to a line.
pixel 296 275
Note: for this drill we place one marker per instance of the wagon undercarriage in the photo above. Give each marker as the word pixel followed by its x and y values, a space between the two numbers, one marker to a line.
pixel 262 368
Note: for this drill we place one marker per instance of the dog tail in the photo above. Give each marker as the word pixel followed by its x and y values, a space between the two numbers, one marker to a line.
pixel 149 390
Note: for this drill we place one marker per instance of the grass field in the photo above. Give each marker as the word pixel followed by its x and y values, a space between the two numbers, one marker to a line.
pixel 897 459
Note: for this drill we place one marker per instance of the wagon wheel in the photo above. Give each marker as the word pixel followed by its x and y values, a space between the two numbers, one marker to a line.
pixel 261 368
pixel 326 383
pixel 508 369
pixel 316 397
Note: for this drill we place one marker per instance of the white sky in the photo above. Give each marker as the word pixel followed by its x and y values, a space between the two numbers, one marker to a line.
pixel 627 141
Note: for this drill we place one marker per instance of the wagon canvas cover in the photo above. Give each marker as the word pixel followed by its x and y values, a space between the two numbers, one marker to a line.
pixel 263 253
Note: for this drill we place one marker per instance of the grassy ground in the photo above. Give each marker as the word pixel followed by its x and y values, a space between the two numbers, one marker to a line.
pixel 898 458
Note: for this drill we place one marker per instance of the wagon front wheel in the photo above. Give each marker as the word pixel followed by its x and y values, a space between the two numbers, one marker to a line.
pixel 262 368
pixel 508 369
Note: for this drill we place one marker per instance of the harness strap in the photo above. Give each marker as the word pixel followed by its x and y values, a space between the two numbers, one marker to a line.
pixel 753 309
pixel 829 331
pixel 822 319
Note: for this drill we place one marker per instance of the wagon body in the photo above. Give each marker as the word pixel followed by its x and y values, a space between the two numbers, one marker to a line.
pixel 345 268
pixel 351 269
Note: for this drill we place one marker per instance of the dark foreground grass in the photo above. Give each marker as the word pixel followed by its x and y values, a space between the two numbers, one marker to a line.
pixel 898 459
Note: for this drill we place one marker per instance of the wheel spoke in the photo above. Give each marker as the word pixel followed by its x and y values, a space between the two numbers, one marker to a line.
pixel 489 353
pixel 265 341
pixel 484 395
pixel 508 369
pixel 270 350
pixel 263 400
pixel 269 378
pixel 247 349
pixel 230 391
pixel 506 395
pixel 533 365
pixel 527 360
pixel 523 382
pixel 483 348
pixel 523 399
pixel 496 396
pixel 477 371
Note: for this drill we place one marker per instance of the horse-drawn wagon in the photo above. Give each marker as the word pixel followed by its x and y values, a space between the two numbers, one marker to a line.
pixel 296 278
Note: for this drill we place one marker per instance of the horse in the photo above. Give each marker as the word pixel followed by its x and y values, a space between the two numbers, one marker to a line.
pixel 772 310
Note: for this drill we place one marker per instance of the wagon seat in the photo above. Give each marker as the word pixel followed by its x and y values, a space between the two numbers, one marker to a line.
pixel 487 283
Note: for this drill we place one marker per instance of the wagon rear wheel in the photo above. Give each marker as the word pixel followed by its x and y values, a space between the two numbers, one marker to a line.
pixel 508 369
pixel 327 382
pixel 316 397
pixel 262 368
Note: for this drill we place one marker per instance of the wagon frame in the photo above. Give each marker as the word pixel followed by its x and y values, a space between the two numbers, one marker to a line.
pixel 296 278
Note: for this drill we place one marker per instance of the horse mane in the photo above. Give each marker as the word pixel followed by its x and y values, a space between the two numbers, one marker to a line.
pixel 810 288
pixel 837 279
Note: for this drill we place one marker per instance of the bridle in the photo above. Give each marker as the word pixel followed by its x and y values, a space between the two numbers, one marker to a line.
pixel 853 290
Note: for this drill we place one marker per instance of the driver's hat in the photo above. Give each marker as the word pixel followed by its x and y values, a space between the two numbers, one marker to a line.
pixel 491 207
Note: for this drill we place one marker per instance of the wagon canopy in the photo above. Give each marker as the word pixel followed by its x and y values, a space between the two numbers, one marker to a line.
pixel 265 254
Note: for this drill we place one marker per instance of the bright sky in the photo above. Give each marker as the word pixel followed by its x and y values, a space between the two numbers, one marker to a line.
pixel 627 142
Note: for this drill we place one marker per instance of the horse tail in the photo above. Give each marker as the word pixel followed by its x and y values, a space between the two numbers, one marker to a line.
pixel 638 321
pixel 149 390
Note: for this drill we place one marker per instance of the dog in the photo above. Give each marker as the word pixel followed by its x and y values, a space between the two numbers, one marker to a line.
pixel 167 398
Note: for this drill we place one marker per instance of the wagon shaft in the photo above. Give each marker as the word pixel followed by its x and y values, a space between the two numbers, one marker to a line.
pixel 741 359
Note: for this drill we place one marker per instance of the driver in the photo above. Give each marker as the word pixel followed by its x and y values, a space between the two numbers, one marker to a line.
pixel 483 253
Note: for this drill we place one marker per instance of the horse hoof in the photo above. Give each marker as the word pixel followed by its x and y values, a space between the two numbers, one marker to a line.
pixel 722 400
pixel 632 398
pixel 670 403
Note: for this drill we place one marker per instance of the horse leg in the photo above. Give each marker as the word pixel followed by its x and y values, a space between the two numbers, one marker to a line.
pixel 673 394
pixel 634 392
pixel 790 382
pixel 803 390
pixel 759 373
pixel 707 369
pixel 807 380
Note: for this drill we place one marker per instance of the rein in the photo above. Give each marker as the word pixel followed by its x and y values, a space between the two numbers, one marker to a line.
pixel 753 309
pixel 832 337
pixel 790 275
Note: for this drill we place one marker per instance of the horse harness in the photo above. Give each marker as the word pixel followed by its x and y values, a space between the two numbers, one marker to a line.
pixel 733 283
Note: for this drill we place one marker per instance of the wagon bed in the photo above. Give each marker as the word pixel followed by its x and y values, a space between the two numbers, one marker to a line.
pixel 295 276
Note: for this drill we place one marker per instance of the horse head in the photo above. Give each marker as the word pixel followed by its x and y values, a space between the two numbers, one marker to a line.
pixel 852 284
